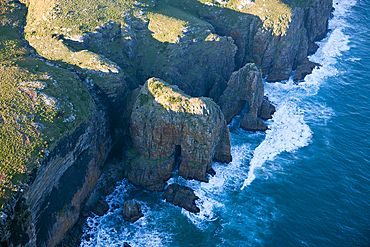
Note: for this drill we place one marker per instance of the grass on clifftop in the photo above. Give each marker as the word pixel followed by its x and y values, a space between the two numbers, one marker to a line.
pixel 38 104
pixel 172 98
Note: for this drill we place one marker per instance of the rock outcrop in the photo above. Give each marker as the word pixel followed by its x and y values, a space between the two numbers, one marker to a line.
pixel 168 125
pixel 132 211
pixel 181 196
pixel 245 91
pixel 101 208
pixel 280 54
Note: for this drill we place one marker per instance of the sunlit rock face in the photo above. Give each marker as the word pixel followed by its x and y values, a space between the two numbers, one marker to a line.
pixel 169 127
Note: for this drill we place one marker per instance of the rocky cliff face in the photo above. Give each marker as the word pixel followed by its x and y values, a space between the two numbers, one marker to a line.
pixel 52 202
pixel 168 125
pixel 280 54
pixel 275 35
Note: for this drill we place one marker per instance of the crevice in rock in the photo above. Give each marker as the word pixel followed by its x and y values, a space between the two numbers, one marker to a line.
pixel 177 156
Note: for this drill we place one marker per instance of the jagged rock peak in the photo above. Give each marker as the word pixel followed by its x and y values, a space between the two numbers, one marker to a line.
pixel 169 127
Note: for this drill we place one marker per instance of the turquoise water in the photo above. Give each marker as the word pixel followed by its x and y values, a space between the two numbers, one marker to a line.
pixel 305 182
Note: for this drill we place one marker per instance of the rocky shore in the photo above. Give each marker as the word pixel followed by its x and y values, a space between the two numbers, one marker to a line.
pixel 162 79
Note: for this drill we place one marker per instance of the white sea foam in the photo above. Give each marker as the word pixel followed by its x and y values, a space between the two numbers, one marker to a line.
pixel 289 130
pixel 111 230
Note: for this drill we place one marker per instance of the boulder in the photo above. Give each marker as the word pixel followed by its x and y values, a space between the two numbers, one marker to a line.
pixel 181 196
pixel 101 208
pixel 253 124
pixel 167 125
pixel 267 109
pixel 132 211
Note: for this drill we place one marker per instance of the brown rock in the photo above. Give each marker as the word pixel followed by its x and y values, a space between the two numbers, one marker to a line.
pixel 181 196
pixel 244 86
pixel 304 69
pixel 167 124
pixel 101 208
pixel 267 109
pixel 132 211
pixel 253 124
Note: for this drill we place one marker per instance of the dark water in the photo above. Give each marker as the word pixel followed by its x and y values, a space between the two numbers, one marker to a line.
pixel 306 182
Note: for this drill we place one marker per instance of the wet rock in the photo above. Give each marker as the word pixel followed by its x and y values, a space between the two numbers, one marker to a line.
pixel 167 124
pixel 181 196
pixel 253 124
pixel 211 172
pixel 132 211
pixel 304 69
pixel 267 109
pixel 101 208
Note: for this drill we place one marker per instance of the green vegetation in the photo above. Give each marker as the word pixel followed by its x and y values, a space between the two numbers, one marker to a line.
pixel 38 104
pixel 171 98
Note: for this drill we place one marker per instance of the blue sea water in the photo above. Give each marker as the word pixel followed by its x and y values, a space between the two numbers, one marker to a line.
pixel 305 182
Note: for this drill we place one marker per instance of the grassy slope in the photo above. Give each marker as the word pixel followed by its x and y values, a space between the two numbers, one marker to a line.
pixel 32 118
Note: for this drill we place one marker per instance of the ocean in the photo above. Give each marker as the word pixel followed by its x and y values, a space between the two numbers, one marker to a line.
pixel 305 182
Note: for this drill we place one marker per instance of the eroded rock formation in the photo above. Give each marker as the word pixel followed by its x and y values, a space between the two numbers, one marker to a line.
pixel 245 89
pixel 167 124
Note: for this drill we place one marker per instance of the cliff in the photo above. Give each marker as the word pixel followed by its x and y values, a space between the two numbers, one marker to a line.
pixel 68 83
pixel 170 128
pixel 54 138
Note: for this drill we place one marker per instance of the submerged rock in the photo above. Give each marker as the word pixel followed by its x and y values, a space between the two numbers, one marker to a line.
pixel 167 125
pixel 181 196
pixel 132 211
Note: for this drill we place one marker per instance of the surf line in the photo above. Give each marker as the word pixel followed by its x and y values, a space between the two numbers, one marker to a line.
pixel 288 131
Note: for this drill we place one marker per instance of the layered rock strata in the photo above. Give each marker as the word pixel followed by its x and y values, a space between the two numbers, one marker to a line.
pixel 277 44
pixel 169 127
pixel 51 204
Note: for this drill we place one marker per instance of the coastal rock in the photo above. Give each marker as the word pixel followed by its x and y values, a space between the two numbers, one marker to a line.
pixel 304 69
pixel 132 211
pixel 277 45
pixel 245 91
pixel 252 124
pixel 267 109
pixel 168 126
pixel 181 196
pixel 101 208
pixel 244 86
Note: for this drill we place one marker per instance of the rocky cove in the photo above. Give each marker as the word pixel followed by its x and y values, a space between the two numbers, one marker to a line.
pixel 163 81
